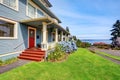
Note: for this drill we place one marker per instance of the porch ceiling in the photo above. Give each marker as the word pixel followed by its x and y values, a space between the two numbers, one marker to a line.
pixel 36 22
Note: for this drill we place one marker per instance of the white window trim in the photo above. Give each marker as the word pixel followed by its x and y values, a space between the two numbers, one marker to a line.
pixel 17 5
pixel 36 8
pixel 15 29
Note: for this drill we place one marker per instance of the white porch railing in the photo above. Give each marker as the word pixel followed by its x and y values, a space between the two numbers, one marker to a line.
pixel 44 46
pixel 51 45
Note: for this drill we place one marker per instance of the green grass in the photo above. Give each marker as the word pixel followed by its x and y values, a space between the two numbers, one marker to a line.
pixel 81 65
pixel 8 61
pixel 109 55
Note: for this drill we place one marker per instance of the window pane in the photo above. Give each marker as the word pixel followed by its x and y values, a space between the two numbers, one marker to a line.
pixel 6 2
pixel 13 3
pixel 31 11
pixel 6 29
pixel 39 13
pixel 10 3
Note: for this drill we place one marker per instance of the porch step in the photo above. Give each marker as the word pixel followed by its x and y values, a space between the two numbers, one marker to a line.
pixel 34 50
pixel 30 58
pixel 32 54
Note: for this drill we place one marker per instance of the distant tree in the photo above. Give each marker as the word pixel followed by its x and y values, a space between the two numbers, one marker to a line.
pixel 115 32
pixel 67 29
pixel 78 42
pixel 75 38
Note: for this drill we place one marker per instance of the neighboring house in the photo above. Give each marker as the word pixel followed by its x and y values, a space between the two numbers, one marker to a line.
pixel 24 24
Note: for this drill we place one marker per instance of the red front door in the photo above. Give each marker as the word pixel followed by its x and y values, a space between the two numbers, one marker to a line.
pixel 31 38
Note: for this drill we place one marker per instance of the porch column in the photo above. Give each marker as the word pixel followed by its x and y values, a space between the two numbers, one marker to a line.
pixel 44 35
pixel 56 35
pixel 66 37
pixel 61 35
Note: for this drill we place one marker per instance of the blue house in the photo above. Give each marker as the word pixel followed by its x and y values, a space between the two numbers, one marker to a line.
pixel 25 25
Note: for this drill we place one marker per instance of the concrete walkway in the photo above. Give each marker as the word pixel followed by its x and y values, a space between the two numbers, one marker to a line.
pixel 109 58
pixel 112 52
pixel 6 68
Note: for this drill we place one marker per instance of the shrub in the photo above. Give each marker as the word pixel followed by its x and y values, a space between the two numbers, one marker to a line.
pixel 56 54
pixel 102 45
pixel 116 48
pixel 68 46
pixel 1 62
pixel 78 42
pixel 85 44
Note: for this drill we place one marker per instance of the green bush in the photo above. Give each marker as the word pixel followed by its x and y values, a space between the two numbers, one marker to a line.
pixel 78 42
pixel 1 62
pixel 116 48
pixel 81 44
pixel 56 54
pixel 85 44
pixel 102 45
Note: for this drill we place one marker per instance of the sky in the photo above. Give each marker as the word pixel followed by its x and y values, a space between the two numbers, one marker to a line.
pixel 87 19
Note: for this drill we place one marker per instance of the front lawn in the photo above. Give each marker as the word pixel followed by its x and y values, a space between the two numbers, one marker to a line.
pixel 81 65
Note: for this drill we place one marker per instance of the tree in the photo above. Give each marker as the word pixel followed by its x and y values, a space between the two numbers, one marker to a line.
pixel 115 32
pixel 75 38
pixel 67 29
pixel 78 42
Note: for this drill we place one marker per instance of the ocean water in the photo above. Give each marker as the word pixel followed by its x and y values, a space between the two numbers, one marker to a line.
pixel 107 41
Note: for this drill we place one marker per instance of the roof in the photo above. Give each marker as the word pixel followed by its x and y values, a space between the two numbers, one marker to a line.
pixel 49 4
pixel 45 9
pixel 36 22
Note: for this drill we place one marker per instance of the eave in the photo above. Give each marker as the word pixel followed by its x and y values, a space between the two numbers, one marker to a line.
pixel 45 9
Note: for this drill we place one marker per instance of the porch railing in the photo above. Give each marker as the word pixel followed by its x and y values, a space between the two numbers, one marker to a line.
pixel 51 45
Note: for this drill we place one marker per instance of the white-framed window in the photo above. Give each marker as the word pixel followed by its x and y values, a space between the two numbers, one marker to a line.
pixel 8 29
pixel 39 13
pixel 10 3
pixel 33 10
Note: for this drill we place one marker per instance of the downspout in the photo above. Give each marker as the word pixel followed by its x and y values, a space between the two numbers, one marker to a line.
pixel 52 21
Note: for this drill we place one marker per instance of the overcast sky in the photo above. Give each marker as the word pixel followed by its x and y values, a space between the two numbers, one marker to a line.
pixel 87 19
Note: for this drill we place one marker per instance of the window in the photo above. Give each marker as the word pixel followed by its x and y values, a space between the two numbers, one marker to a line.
pixel 39 13
pixel 7 29
pixel 31 11
pixel 11 3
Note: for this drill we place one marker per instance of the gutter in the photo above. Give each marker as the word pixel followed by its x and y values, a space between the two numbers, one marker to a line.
pixel 46 9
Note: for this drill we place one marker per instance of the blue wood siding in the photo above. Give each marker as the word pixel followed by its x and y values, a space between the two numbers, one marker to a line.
pixel 12 14
pixel 21 43
pixel 12 45
pixel 38 36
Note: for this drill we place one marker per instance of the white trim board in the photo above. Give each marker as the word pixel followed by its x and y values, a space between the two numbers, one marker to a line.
pixel 15 28
pixel 17 5
pixel 7 54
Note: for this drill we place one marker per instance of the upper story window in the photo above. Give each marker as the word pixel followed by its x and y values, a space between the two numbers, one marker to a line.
pixel 31 11
pixel 34 11
pixel 10 3
pixel 39 13
pixel 7 29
